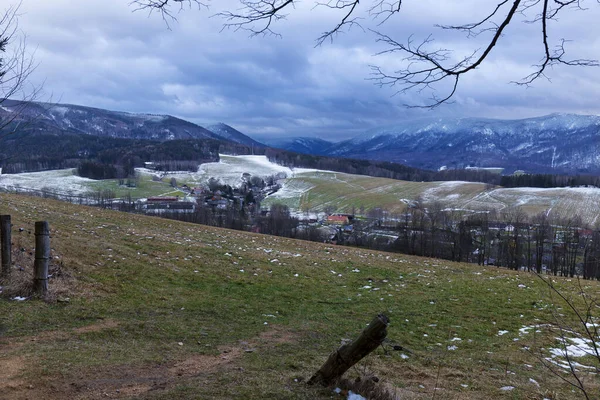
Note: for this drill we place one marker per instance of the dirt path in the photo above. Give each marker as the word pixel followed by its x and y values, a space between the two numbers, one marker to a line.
pixel 116 381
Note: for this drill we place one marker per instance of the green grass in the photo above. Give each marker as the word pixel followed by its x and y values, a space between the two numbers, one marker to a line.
pixel 158 294
pixel 346 192
pixel 146 187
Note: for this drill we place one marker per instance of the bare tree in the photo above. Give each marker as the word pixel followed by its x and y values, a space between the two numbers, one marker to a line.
pixel 16 67
pixel 574 323
pixel 425 67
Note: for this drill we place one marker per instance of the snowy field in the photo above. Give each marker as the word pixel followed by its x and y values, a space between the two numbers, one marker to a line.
pixel 62 180
pixel 230 169
pixel 556 202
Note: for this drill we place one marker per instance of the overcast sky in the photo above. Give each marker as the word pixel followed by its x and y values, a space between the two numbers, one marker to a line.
pixel 100 53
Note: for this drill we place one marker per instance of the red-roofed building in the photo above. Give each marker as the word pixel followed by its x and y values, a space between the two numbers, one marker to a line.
pixel 338 219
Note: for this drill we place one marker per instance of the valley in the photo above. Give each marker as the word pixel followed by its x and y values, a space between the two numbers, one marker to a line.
pixel 256 200
pixel 310 190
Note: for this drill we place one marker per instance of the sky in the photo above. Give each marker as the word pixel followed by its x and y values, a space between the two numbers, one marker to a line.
pixel 105 54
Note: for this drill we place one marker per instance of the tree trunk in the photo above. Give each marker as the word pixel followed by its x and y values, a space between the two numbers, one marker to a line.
pixel 349 354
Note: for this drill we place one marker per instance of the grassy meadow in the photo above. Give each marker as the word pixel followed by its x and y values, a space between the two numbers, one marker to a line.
pixel 156 309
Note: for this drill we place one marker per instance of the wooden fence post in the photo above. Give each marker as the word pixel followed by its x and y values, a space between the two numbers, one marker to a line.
pixel 349 354
pixel 5 245
pixel 42 257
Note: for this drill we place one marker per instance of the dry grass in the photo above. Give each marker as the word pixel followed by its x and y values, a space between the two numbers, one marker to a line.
pixel 20 282
pixel 368 386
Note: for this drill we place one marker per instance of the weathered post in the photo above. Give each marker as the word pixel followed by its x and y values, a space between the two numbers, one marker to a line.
pixel 349 354
pixel 5 246
pixel 42 257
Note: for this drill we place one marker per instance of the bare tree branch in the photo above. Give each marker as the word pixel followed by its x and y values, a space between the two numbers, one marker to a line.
pixel 425 69
pixel 347 20
pixel 16 67
pixel 564 328
pixel 256 16
pixel 16 91
pixel 470 28
pixel 434 70
pixel 384 10
pixel 165 7
pixel 556 56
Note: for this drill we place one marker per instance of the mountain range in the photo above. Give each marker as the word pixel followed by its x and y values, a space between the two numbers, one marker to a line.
pixel 74 119
pixel 556 143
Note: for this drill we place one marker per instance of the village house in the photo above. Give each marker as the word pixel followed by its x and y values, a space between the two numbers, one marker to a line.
pixel 338 219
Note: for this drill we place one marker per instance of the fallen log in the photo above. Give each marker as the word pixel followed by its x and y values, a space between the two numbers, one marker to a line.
pixel 349 354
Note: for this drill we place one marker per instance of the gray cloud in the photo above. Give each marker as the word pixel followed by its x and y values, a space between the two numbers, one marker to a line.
pixel 99 53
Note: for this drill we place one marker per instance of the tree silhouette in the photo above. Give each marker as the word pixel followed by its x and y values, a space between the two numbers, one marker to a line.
pixel 16 67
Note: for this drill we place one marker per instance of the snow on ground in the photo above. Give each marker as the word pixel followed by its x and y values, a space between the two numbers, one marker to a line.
pixel 291 189
pixel 568 349
pixel 575 347
pixel 559 202
pixel 229 170
pixel 61 180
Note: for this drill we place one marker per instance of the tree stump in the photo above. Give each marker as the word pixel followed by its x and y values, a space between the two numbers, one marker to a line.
pixel 349 354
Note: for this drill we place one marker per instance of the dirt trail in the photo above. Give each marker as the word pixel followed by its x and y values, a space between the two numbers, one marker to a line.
pixel 116 381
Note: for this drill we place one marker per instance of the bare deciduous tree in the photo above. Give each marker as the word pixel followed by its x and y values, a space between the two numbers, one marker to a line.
pixel 425 67
pixel 16 67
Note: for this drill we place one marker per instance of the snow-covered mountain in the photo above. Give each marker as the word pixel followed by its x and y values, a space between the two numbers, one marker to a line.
pixel 305 145
pixel 228 133
pixel 556 143
pixel 57 118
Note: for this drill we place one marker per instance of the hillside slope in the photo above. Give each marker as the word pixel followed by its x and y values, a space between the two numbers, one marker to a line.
pixel 68 118
pixel 231 134
pixel 160 309
pixel 75 119
pixel 556 143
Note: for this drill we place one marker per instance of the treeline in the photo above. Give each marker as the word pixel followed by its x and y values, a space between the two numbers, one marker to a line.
pixel 277 221
pixel 546 244
pixel 103 157
pixel 96 170
pixel 384 169
pixel 549 181
pixel 381 169
pixel 28 152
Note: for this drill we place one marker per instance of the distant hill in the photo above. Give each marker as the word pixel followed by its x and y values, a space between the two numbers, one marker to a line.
pixel 64 136
pixel 231 134
pixel 56 118
pixel 305 145
pixel 556 144
pixel 74 119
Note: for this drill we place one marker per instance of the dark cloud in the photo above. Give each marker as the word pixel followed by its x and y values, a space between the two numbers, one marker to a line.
pixel 102 54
